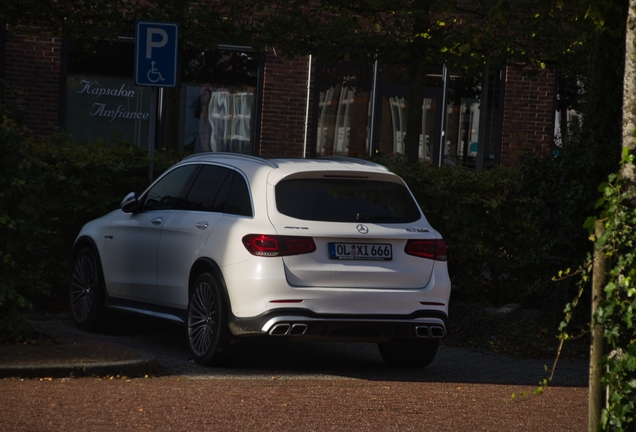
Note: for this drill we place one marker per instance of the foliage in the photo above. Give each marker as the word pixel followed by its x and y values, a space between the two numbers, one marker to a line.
pixel 617 310
pixel 509 230
pixel 49 190
pixel 20 276
pixel 519 334
pixel 203 25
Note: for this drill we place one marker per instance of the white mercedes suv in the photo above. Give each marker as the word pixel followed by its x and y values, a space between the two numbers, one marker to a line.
pixel 234 246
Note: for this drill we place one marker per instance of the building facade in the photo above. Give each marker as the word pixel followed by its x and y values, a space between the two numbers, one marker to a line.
pixel 233 99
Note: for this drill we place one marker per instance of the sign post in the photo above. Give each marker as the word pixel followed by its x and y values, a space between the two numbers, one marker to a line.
pixel 156 53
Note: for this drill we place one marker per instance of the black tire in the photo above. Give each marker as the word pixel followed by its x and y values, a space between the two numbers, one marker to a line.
pixel 86 291
pixel 209 338
pixel 409 353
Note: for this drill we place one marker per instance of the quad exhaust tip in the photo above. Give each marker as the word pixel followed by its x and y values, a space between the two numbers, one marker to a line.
pixel 286 329
pixel 429 331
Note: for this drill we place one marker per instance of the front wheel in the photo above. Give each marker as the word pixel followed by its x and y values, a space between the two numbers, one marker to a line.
pixel 209 337
pixel 409 353
pixel 86 290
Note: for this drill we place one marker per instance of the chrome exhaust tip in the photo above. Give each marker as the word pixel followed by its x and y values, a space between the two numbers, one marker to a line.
pixel 298 329
pixel 437 332
pixel 423 331
pixel 280 330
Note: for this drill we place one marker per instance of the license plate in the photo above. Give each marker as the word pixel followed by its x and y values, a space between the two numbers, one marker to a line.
pixel 360 251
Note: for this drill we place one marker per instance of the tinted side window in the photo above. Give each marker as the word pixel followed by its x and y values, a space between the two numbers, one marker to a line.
pixel 164 195
pixel 239 202
pixel 209 190
pixel 344 200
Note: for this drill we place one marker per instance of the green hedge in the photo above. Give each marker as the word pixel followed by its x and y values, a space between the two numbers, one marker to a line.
pixel 49 190
pixel 509 230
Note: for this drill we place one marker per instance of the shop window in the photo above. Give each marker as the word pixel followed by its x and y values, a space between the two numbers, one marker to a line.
pixel 472 137
pixel 342 117
pixel 343 120
pixel 398 122
pixel 101 98
pixel 395 121
pixel 218 112
pixel 324 106
pixel 213 109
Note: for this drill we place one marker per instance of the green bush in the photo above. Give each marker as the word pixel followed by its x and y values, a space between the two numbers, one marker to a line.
pixel 509 231
pixel 20 277
pixel 48 190
pixel 78 183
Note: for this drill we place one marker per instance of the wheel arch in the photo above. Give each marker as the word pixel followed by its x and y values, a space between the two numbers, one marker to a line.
pixel 203 265
pixel 82 242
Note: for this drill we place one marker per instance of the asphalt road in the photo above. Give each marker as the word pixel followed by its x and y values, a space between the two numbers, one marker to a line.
pixel 284 386
pixel 292 359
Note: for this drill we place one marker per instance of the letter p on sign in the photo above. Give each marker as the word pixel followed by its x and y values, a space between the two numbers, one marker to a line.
pixel 156 49
pixel 151 43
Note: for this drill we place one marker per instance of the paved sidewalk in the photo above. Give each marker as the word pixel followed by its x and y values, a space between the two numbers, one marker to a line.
pixel 79 355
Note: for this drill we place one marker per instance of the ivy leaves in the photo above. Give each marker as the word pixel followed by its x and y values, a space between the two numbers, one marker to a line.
pixel 617 310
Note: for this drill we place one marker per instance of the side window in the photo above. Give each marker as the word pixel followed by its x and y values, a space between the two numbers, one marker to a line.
pixel 164 195
pixel 239 202
pixel 209 190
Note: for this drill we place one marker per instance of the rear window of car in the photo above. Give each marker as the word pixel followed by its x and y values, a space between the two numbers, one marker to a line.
pixel 346 200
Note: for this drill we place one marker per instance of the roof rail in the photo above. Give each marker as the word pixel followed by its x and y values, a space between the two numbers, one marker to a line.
pixel 352 160
pixel 221 155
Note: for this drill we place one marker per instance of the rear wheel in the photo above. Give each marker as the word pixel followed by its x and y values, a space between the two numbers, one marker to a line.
pixel 86 290
pixel 409 353
pixel 209 337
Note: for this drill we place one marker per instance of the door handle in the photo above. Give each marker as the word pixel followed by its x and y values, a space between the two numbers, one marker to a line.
pixel 157 221
pixel 201 225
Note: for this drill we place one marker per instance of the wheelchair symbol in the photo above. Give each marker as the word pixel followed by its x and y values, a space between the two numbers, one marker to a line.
pixel 154 75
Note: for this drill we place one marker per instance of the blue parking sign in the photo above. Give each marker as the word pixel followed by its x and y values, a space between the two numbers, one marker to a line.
pixel 156 48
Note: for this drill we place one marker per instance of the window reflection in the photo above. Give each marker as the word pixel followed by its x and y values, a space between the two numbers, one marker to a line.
pixel 342 126
pixel 213 109
pixel 469 136
pixel 473 121
pixel 219 107
pixel 224 119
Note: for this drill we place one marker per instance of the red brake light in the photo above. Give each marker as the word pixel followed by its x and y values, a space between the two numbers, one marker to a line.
pixel 275 245
pixel 431 249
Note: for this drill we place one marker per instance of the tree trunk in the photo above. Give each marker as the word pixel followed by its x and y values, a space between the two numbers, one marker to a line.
pixel 629 90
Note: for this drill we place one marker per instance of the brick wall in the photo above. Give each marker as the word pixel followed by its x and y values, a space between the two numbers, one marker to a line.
pixel 33 78
pixel 284 105
pixel 528 114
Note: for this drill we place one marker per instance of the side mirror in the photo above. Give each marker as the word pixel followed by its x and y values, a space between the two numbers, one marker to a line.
pixel 130 204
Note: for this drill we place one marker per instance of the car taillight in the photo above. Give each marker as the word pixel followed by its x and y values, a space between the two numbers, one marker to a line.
pixel 275 245
pixel 431 249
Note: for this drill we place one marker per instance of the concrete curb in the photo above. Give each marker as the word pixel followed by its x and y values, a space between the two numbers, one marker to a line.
pixel 130 368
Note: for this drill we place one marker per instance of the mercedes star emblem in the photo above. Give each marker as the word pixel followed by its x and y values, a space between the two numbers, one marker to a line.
pixel 362 229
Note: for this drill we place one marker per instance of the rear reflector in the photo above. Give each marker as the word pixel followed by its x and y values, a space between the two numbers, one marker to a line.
pixel 431 249
pixel 275 245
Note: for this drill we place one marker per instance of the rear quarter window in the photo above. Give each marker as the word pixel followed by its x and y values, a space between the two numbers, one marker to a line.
pixel 346 200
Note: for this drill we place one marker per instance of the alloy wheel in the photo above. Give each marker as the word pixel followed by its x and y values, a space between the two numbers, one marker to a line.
pixel 203 316
pixel 83 287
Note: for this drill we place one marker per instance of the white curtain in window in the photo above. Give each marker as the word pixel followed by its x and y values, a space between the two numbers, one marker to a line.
pixel 229 115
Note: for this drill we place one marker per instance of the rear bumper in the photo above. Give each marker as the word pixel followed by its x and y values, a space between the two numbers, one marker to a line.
pixel 304 324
